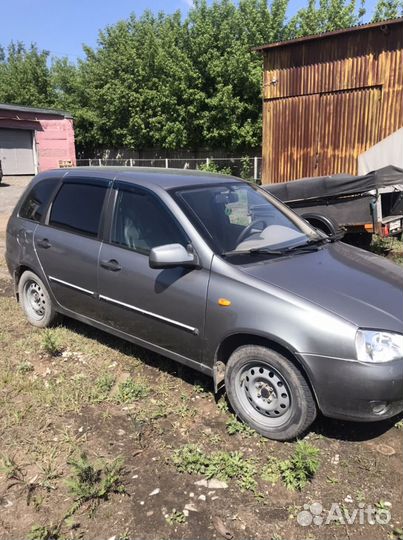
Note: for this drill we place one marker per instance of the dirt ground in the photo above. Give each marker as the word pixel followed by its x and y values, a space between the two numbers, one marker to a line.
pixel 145 426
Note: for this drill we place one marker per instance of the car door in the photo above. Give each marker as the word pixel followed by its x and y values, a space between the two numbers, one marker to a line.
pixel 68 243
pixel 163 307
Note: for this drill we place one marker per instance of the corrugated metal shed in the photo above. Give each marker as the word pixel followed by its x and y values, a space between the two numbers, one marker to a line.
pixel 328 98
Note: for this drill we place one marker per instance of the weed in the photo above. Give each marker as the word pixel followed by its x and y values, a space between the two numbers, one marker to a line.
pixel 50 343
pixel 396 534
pixel 49 472
pixel 221 465
pixel 360 496
pixel 222 405
pixel 332 480
pixel 382 507
pixel 124 536
pixel 235 426
pixel 175 517
pixel 11 470
pixel 131 390
pixel 215 439
pixel 271 471
pixel 184 411
pixel 246 168
pixel 91 483
pixel 399 424
pixel 213 168
pixel 42 532
pixel 103 386
pixel 387 246
pixel 25 367
pixel 198 389
pixel 37 502
pixel 297 471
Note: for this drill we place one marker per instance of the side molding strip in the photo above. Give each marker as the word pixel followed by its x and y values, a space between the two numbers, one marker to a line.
pixel 191 329
pixel 67 284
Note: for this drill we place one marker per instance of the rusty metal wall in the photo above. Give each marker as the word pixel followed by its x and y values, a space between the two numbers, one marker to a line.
pixel 328 100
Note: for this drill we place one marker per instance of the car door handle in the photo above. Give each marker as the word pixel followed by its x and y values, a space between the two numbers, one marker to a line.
pixel 44 243
pixel 111 265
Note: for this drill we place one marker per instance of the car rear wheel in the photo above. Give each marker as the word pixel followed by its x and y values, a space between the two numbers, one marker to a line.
pixel 35 300
pixel 269 393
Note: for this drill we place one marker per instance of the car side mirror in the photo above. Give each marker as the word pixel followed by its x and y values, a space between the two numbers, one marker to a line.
pixel 171 255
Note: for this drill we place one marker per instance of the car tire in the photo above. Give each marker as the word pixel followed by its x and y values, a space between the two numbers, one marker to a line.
pixel 269 393
pixel 35 300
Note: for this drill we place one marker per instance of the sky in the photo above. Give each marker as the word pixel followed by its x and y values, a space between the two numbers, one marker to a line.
pixel 62 26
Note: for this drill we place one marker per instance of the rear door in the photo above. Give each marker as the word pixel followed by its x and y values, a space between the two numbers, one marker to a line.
pixel 68 244
pixel 163 307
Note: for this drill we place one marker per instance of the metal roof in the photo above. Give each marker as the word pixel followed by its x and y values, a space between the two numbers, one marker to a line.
pixel 324 35
pixel 35 110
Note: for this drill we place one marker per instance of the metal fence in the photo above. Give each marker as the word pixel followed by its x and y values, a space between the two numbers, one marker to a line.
pixel 245 167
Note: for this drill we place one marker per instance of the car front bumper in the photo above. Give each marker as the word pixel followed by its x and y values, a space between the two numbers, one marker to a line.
pixel 352 390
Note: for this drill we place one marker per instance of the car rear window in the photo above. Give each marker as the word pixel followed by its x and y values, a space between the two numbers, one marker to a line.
pixel 78 207
pixel 37 200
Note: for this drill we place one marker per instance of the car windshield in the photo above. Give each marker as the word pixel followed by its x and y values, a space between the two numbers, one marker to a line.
pixel 241 218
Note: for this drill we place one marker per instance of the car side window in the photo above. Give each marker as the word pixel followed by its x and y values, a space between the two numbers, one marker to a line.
pixel 37 199
pixel 78 207
pixel 142 222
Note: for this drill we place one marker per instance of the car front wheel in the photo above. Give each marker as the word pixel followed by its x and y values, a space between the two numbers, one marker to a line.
pixel 35 300
pixel 269 393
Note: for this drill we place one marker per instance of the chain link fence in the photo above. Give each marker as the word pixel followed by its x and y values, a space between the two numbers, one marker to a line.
pixel 249 168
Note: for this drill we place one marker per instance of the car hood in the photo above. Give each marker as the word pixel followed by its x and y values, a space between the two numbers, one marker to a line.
pixel 360 287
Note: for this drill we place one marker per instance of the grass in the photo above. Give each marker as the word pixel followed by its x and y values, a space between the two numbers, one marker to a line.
pixel 295 472
pixel 91 483
pixel 234 426
pixel 132 390
pixel 43 532
pixel 10 469
pixel 221 465
pixel 46 400
pixel 103 386
pixel 25 367
pixel 50 342
pixel 391 247
pixel 175 517
pixel 301 467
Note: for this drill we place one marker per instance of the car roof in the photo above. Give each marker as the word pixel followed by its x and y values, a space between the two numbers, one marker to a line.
pixel 164 178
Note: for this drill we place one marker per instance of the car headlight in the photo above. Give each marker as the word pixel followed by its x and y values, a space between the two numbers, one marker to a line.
pixel 377 346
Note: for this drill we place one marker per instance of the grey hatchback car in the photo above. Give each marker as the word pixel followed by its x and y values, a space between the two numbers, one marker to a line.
pixel 219 275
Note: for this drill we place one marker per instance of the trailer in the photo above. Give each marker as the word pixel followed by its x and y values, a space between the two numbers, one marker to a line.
pixel 359 205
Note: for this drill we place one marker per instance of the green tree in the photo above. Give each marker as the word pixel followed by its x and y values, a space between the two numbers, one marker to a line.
pixel 25 76
pixel 172 82
pixel 219 41
pixel 325 16
pixel 387 9
pixel 141 84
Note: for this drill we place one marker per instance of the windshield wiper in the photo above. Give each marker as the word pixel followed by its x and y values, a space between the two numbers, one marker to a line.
pixel 252 251
pixel 308 247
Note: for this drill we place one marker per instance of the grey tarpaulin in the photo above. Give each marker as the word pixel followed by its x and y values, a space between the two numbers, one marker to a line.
pixel 325 187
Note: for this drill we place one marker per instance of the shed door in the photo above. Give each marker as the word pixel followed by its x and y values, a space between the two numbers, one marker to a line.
pixel 16 152
pixel 349 125
pixel 290 137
